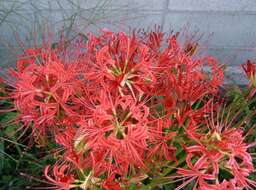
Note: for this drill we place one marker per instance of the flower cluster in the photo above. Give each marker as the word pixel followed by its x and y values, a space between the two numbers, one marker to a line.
pixel 222 148
pixel 123 107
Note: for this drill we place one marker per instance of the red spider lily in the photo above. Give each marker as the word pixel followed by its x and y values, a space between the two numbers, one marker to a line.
pixel 118 131
pixel 116 105
pixel 224 147
pixel 159 140
pixel 196 172
pixel 111 184
pixel 122 63
pixel 182 82
pixel 66 137
pixel 250 69
pixel 42 91
pixel 154 40
pixel 227 185
pixel 61 180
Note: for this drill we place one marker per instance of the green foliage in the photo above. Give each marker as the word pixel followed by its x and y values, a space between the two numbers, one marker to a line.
pixel 20 165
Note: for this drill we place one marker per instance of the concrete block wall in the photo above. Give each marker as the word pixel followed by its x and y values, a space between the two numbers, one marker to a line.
pixel 228 26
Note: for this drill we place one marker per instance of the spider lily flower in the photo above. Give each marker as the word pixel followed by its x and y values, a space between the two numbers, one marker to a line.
pixel 60 180
pixel 118 131
pixel 122 63
pixel 111 184
pixel 117 103
pixel 249 69
pixel 42 90
pixel 221 148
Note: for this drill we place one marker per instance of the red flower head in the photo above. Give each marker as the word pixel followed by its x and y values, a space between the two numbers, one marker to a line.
pixel 121 63
pixel 221 148
pixel 43 90
pixel 61 179
pixel 250 69
pixel 117 104
pixel 111 184
pixel 117 132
